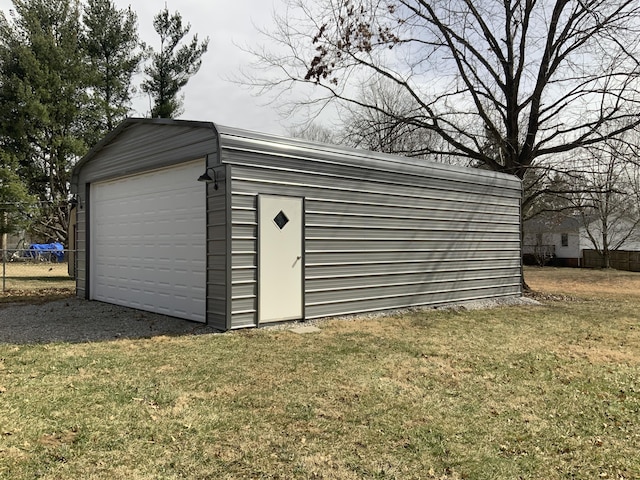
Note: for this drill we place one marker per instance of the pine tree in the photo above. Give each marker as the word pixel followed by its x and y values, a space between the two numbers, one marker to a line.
pixel 17 206
pixel 43 99
pixel 114 50
pixel 172 66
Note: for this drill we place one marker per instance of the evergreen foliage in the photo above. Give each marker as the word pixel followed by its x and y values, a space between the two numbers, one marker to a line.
pixel 111 42
pixel 66 78
pixel 173 65
pixel 43 96
pixel 16 204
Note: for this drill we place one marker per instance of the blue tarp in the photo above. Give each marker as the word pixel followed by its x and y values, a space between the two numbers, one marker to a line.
pixel 55 250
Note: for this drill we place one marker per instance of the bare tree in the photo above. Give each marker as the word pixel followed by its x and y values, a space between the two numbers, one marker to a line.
pixel 533 78
pixel 316 132
pixel 538 78
pixel 381 121
pixel 607 205
pixel 360 126
pixel 548 192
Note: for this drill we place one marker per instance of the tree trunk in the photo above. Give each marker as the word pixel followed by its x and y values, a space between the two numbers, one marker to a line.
pixel 523 283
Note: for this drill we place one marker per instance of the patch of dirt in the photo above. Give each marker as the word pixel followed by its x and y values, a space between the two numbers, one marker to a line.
pixel 550 297
pixel 42 295
pixel 58 439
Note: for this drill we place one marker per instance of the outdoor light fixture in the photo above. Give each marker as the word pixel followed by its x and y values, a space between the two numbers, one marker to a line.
pixel 205 177
pixel 75 201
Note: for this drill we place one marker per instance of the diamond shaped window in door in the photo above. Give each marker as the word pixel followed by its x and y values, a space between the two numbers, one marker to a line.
pixel 281 220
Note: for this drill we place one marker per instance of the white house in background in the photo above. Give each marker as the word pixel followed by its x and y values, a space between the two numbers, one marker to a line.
pixel 562 240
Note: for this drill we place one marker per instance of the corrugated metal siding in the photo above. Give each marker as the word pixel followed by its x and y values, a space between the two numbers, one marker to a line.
pixel 329 158
pixel 378 238
pixel 81 252
pixel 218 232
pixel 144 146
pixel 244 257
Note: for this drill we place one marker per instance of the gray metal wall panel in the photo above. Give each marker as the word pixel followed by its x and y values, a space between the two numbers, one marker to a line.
pixel 330 158
pixel 412 299
pixel 141 147
pixel 365 256
pixel 244 252
pixel 396 240
pixel 81 253
pixel 402 279
pixel 331 190
pixel 346 271
pixel 438 206
pixel 243 320
pixel 217 258
pixel 497 194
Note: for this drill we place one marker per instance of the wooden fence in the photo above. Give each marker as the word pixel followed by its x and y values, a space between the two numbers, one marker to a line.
pixel 619 259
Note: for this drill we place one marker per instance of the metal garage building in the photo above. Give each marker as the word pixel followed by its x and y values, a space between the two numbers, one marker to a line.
pixel 284 229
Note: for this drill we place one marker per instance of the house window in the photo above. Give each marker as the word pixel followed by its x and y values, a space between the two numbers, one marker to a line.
pixel 564 240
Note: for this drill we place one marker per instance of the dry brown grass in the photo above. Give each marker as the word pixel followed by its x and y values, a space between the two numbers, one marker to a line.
pixel 530 392
pixel 583 281
pixel 36 269
pixel 37 281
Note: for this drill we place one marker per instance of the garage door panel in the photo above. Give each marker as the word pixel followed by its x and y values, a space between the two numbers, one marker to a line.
pixel 148 241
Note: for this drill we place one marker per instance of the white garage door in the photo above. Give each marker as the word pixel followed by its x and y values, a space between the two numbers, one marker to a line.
pixel 148 248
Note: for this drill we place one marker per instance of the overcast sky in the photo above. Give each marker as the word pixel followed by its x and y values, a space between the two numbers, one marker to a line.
pixel 209 95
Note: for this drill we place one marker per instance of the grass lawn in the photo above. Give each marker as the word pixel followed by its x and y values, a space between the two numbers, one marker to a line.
pixel 530 392
pixel 35 281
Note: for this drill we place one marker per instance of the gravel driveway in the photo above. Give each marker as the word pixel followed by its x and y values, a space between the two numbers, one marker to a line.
pixel 75 320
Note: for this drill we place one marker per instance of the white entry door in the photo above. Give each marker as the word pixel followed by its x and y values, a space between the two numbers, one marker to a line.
pixel 148 245
pixel 280 225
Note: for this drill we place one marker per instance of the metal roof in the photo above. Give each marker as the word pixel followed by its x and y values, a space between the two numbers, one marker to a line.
pixel 236 138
